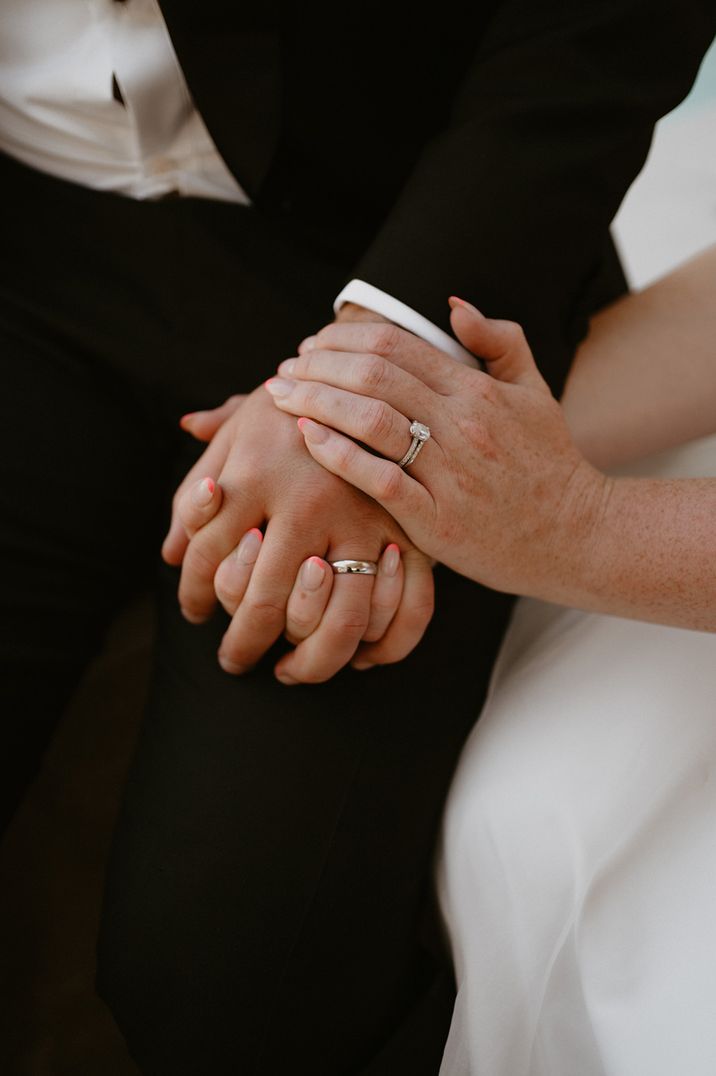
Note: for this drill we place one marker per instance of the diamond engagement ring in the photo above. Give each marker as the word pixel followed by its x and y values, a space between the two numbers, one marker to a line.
pixel 420 434
pixel 354 567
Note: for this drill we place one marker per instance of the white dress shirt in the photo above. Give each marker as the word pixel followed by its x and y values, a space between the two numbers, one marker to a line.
pixel 92 91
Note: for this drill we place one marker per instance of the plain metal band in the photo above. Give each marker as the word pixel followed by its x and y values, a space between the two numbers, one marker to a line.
pixel 354 567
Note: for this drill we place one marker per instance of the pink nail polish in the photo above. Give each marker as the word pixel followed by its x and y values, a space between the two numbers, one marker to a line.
pixel 455 300
pixel 249 547
pixel 313 572
pixel 278 386
pixel 391 560
pixel 203 493
pixel 312 431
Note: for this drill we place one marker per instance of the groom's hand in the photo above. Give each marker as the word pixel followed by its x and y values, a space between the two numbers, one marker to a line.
pixel 268 477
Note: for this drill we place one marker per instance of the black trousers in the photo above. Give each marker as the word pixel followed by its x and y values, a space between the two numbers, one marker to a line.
pixel 269 906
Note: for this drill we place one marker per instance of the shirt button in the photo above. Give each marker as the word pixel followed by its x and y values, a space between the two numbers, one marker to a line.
pixel 158 166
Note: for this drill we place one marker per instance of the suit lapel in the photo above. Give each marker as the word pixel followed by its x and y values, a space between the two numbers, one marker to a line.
pixel 232 64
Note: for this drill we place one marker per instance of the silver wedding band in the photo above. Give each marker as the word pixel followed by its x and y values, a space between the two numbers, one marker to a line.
pixel 420 434
pixel 354 567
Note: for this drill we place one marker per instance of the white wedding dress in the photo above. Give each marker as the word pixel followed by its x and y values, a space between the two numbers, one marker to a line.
pixel 576 870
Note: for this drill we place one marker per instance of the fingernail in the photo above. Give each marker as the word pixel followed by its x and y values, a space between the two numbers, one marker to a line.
pixel 230 666
pixel 361 666
pixel 248 548
pixel 391 560
pixel 306 344
pixel 454 301
pixel 278 387
pixel 187 417
pixel 312 431
pixel 313 573
pixel 287 367
pixel 284 678
pixel 203 492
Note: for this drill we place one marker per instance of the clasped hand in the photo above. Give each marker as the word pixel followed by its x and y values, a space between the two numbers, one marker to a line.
pixel 256 476
pixel 500 492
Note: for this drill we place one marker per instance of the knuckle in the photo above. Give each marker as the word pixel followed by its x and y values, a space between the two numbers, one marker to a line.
pixel 377 419
pixel 266 612
pixel 486 388
pixel 312 393
pixel 200 561
pixel 384 338
pixel 299 624
pixel 226 589
pixel 477 434
pixel 317 496
pixel 349 625
pixel 308 364
pixel 373 372
pixel 344 454
pixel 384 607
pixel 388 482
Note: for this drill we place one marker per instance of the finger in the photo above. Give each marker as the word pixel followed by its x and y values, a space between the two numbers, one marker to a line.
pixel 408 626
pixel 204 424
pixel 208 548
pixel 367 375
pixel 335 640
pixel 407 500
pixel 429 364
pixel 308 599
pixel 233 574
pixel 209 463
pixel 261 616
pixel 386 594
pixel 373 422
pixel 198 504
pixel 501 344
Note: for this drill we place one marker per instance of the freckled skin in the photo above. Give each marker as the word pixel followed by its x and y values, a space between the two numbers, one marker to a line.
pixel 507 491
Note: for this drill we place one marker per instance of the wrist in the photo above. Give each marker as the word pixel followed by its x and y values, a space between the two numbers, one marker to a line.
pixel 582 537
pixel 350 311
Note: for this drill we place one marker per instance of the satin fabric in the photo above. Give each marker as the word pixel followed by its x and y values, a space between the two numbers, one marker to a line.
pixel 576 868
pixel 58 113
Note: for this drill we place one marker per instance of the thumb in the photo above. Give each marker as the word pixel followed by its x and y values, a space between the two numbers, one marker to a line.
pixel 501 344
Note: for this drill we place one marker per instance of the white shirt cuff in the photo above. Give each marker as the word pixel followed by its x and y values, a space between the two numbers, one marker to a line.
pixel 358 291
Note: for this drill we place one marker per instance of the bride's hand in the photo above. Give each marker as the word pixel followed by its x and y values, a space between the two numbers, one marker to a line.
pixel 499 492
pixel 200 502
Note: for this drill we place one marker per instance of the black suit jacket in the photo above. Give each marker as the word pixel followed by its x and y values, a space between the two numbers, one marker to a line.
pixel 482 150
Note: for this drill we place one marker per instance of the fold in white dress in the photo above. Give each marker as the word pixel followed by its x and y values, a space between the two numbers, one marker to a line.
pixel 576 870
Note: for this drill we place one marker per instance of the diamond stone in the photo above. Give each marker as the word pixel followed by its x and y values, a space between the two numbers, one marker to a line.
pixel 419 430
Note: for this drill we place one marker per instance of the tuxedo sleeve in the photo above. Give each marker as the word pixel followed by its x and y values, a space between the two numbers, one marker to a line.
pixel 509 204
pixel 372 298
